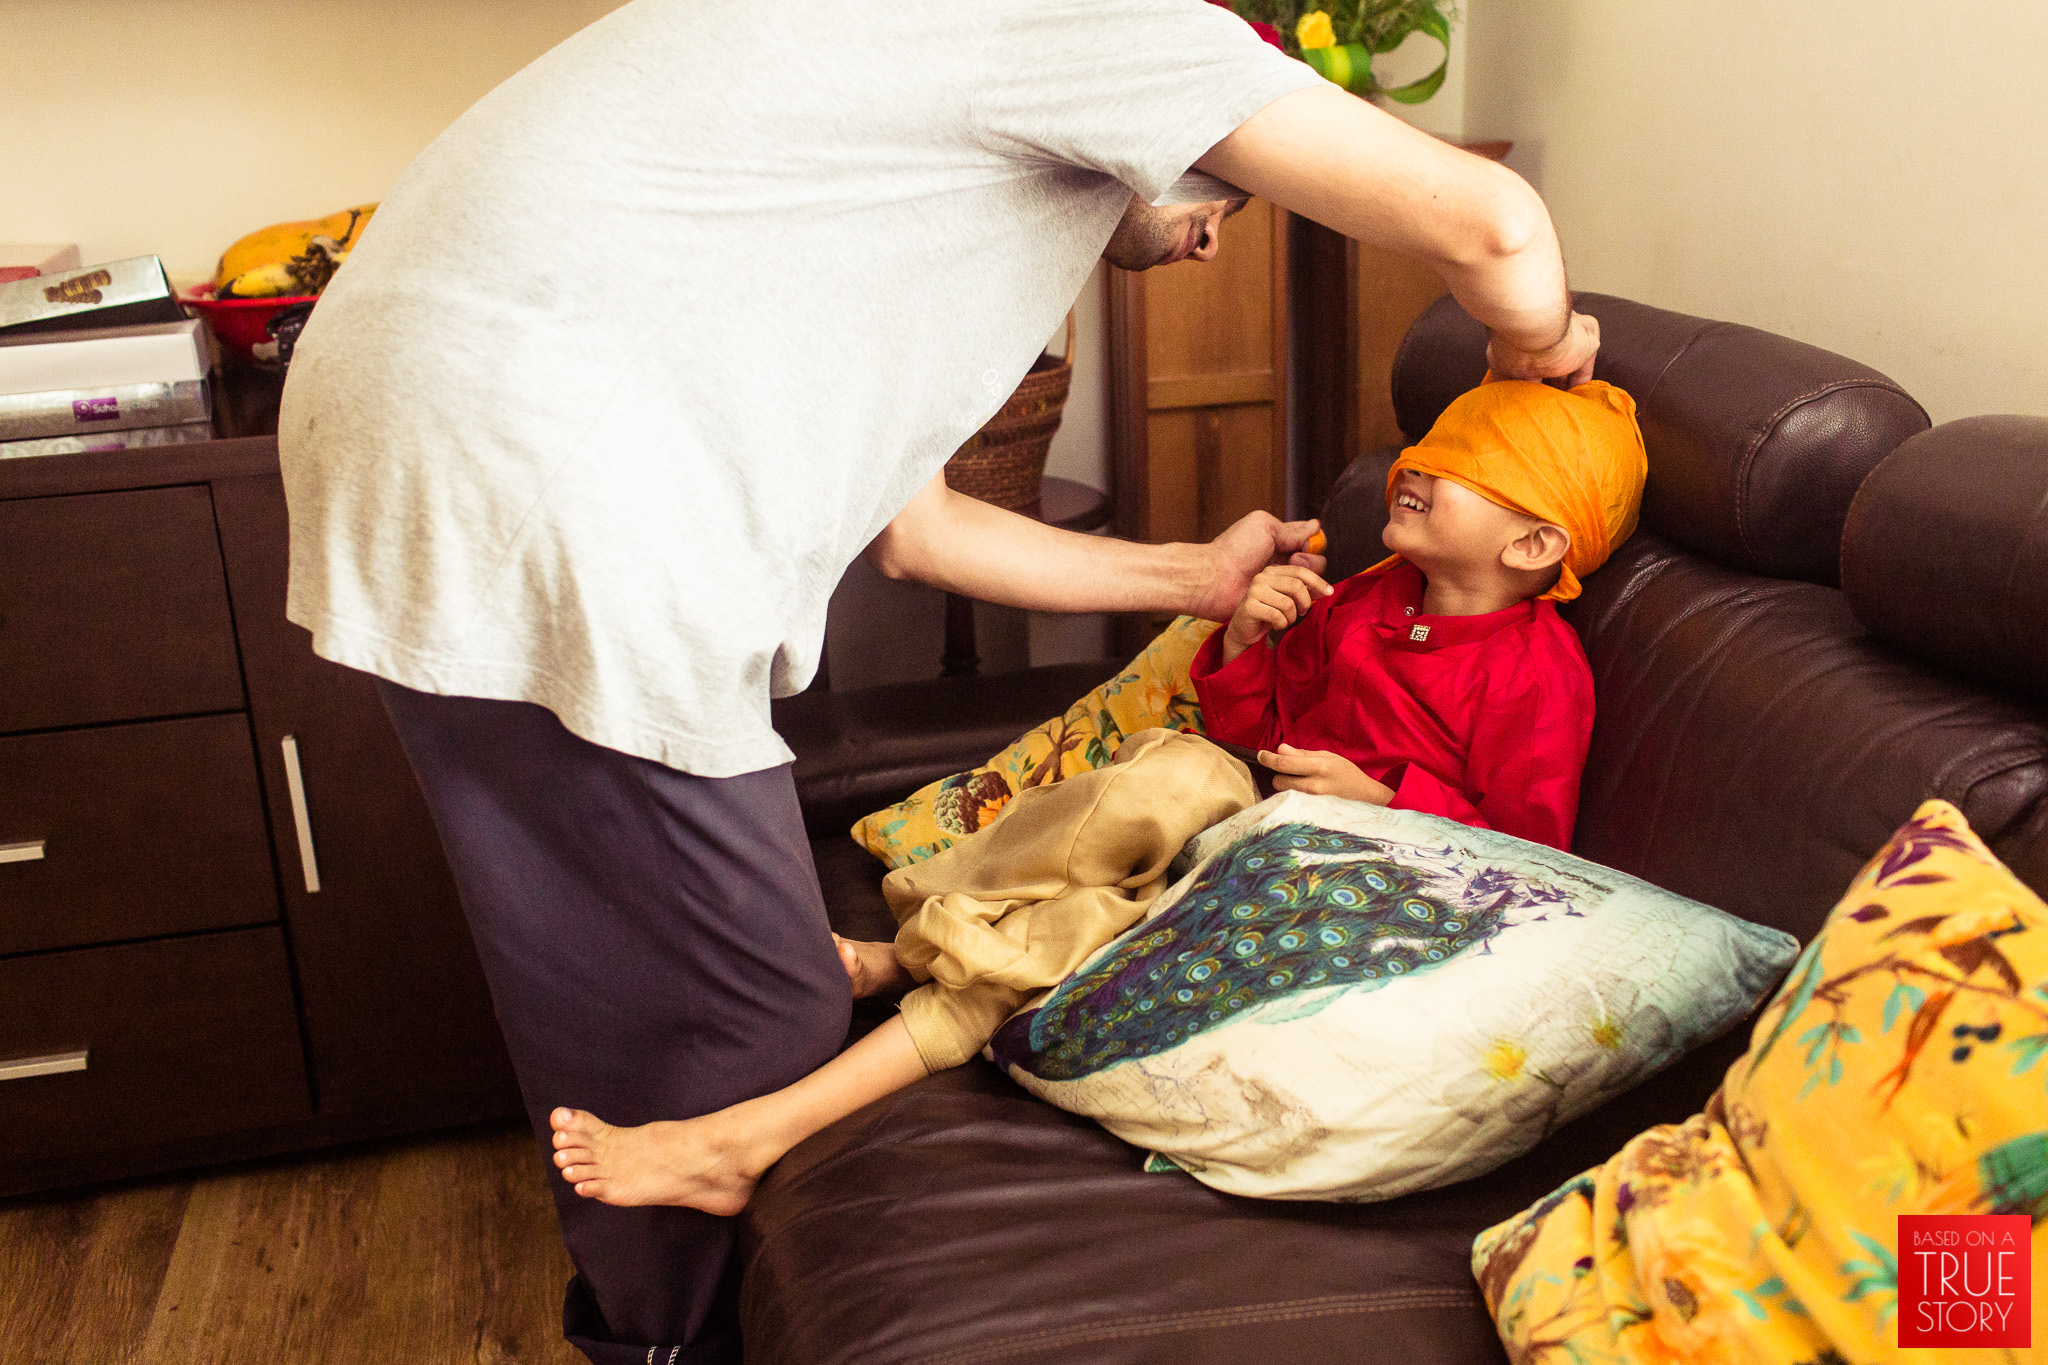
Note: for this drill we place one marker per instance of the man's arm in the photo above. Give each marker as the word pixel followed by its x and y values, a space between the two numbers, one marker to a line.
pixel 963 545
pixel 1352 167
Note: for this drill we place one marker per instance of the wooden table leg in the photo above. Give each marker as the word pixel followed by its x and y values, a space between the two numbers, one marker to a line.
pixel 959 657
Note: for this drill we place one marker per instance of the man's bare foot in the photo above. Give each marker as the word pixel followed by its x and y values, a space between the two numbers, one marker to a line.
pixel 710 1163
pixel 872 967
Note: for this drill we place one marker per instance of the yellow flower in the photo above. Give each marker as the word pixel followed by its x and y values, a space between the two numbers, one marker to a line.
pixel 1314 30
pixel 1503 1061
pixel 1607 1033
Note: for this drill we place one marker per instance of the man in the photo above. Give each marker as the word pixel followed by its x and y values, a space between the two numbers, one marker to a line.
pixel 633 361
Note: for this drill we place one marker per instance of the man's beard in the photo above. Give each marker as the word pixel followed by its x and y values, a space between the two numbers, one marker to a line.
pixel 1146 236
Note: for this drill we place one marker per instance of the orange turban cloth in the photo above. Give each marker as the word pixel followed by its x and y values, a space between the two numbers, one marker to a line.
pixel 1573 458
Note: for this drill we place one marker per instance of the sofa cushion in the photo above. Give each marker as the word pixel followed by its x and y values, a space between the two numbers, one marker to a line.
pixel 1151 691
pixel 1913 1039
pixel 858 750
pixel 1945 555
pixel 1341 1001
pixel 961 1220
pixel 1754 743
pixel 1757 442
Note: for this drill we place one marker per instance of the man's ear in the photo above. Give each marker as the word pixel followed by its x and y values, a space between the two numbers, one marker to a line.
pixel 1542 546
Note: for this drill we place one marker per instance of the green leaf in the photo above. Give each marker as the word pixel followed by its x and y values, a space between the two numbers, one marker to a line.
pixel 2027 1051
pixel 1347 65
pixel 1834 1071
pixel 1903 999
pixel 1415 92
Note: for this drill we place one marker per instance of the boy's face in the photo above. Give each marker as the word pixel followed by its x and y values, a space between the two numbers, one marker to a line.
pixel 1441 522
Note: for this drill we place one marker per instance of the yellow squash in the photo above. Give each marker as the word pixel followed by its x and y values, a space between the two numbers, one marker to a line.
pixel 290 258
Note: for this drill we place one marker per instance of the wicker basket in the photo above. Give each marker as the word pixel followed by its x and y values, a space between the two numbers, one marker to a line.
pixel 1004 462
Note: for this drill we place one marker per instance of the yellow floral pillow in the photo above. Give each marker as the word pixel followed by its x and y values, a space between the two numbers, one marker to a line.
pixel 1902 1069
pixel 1152 692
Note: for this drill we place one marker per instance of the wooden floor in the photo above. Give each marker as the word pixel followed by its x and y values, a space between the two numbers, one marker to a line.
pixel 429 1251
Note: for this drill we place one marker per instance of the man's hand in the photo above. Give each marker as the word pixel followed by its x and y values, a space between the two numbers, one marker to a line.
pixel 1322 773
pixel 1254 542
pixel 1570 359
pixel 1277 598
pixel 954 542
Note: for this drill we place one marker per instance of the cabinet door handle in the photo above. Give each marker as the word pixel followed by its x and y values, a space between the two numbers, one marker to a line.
pixel 296 784
pixel 21 1068
pixel 30 851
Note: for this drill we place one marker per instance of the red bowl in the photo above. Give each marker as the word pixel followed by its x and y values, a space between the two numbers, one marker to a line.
pixel 241 324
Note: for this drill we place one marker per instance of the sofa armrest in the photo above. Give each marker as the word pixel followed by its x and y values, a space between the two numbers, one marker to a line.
pixel 858 751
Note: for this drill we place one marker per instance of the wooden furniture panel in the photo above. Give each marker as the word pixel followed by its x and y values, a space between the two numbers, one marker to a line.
pixel 1210 466
pixel 1198 388
pixel 1350 307
pixel 139 585
pixel 112 607
pixel 138 830
pixel 173 1039
pixel 396 1010
pixel 1220 316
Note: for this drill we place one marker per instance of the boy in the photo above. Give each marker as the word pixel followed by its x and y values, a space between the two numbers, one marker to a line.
pixel 1439 680
pixel 1442 679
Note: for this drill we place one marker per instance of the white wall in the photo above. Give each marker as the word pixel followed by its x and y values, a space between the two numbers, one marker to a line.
pixel 175 126
pixel 1871 177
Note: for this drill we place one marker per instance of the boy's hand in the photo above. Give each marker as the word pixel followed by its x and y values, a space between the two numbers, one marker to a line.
pixel 1322 773
pixel 1276 599
pixel 1234 558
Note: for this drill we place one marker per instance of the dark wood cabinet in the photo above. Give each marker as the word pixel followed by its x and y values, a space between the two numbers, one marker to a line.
pixel 226 926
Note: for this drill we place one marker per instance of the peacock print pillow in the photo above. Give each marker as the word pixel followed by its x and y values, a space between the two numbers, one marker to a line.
pixel 1902 1070
pixel 1339 1001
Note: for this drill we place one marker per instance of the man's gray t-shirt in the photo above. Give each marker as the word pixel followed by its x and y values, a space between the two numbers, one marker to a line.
pixel 649 344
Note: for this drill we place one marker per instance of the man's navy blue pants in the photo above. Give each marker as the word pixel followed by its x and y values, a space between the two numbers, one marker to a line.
pixel 656 948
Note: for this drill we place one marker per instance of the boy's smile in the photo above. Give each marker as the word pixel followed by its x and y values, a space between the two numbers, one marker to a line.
pixel 1407 494
pixel 1475 553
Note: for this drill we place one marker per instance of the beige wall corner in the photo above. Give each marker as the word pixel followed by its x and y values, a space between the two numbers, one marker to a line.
pixel 1864 177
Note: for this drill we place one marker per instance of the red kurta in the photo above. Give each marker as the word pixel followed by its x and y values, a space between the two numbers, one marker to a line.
pixel 1484 719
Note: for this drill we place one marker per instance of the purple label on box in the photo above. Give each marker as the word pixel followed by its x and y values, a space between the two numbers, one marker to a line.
pixel 96 409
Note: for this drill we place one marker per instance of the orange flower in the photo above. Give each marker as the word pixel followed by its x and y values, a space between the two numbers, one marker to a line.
pixel 990 809
pixel 1684 1269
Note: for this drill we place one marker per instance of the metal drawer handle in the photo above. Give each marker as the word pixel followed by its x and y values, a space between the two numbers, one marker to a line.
pixel 29 852
pixel 296 784
pixel 21 1068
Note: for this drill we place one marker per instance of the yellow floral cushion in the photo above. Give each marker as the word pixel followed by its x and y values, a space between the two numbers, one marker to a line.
pixel 1152 692
pixel 1901 1069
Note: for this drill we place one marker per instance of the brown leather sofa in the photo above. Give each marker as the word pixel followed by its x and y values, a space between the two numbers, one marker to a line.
pixel 1829 614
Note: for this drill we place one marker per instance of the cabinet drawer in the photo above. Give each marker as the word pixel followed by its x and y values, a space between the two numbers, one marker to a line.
pixel 131 831
pixel 113 606
pixel 148 1043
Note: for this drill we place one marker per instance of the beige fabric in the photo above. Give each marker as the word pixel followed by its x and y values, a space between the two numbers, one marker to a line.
pixel 1001 916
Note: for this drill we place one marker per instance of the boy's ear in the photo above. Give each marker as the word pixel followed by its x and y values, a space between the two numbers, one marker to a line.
pixel 1543 546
